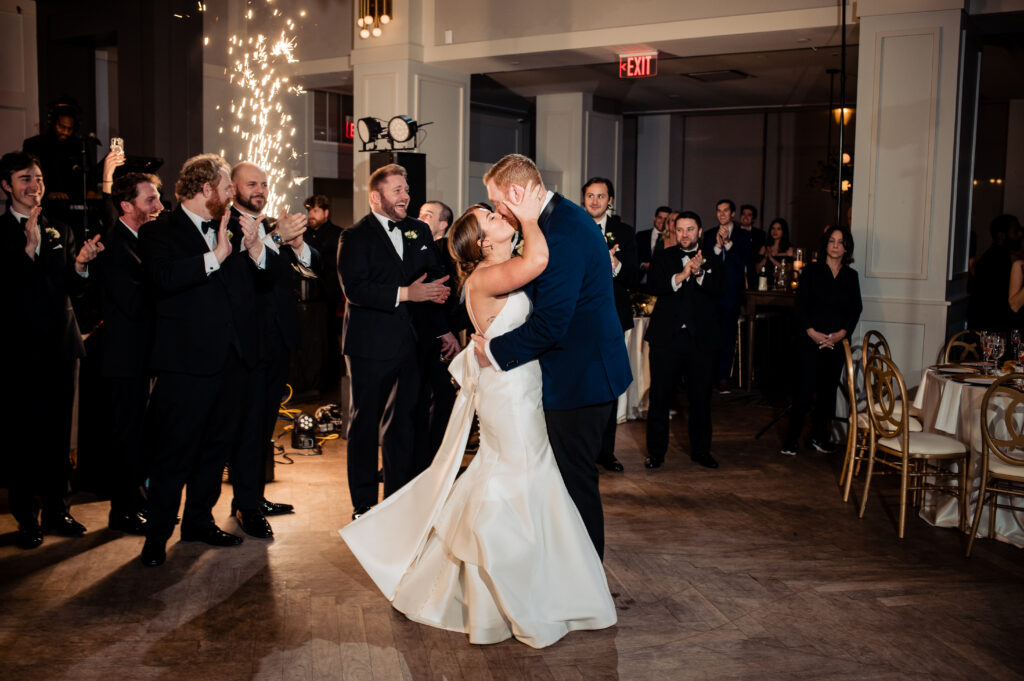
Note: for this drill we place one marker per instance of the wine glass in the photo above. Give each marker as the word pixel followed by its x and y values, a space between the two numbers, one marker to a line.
pixel 985 338
pixel 798 259
pixel 998 347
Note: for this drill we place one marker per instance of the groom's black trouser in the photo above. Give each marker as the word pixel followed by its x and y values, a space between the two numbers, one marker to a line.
pixel 576 436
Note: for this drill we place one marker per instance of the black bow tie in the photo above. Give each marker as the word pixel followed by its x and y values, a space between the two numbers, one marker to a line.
pixel 391 225
pixel 207 225
pixel 690 254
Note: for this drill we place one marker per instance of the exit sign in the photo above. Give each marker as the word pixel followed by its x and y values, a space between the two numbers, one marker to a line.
pixel 643 65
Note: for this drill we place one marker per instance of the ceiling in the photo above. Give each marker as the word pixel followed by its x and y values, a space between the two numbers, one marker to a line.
pixel 781 78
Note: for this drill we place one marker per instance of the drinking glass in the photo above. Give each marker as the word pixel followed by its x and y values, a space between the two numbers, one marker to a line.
pixel 986 345
pixel 998 347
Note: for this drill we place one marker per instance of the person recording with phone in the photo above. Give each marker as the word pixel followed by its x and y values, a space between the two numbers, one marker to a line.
pixel 683 336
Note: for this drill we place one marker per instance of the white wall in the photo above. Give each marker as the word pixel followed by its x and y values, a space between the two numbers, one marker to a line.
pixel 19 97
pixel 1013 182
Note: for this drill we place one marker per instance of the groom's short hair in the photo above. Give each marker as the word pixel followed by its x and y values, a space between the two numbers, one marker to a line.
pixel 513 169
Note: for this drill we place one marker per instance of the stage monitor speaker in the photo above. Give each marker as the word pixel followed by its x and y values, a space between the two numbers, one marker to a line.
pixel 415 165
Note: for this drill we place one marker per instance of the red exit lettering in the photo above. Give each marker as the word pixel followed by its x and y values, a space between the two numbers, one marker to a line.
pixel 638 65
pixel 350 129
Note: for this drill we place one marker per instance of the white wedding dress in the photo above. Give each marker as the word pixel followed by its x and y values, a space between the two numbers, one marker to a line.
pixel 502 550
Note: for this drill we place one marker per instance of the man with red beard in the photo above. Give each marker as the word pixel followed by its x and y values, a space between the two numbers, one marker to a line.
pixel 128 321
pixel 205 341
pixel 390 273
pixel 278 317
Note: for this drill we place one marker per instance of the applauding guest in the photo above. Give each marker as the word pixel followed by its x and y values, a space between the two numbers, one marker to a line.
pixel 683 336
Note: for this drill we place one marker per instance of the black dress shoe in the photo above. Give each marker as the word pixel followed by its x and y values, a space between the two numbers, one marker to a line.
pixel 360 511
pixel 707 461
pixel 271 508
pixel 654 461
pixel 131 523
pixel 612 464
pixel 63 524
pixel 211 534
pixel 254 524
pixel 30 537
pixel 154 553
pixel 821 446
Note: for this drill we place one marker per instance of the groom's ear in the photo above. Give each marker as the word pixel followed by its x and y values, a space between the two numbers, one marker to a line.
pixel 516 193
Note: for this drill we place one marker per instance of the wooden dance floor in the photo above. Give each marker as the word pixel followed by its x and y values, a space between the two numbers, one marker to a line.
pixel 754 571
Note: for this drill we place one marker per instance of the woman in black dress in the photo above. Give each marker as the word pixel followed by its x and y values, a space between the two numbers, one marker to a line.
pixel 828 306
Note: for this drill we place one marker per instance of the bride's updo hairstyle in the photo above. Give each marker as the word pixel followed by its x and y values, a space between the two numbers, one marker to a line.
pixel 464 241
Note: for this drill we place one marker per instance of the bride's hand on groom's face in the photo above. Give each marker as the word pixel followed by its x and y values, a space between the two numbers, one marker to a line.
pixel 529 202
pixel 478 350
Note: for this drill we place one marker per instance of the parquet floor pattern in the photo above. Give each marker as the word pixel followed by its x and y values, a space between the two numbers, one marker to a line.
pixel 754 571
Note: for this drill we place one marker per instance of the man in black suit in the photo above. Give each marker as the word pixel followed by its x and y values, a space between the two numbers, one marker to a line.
pixel 323 236
pixel 748 220
pixel 128 323
pixel 205 341
pixel 437 393
pixel 682 333
pixel 648 241
pixel 598 196
pixel 278 317
pixel 40 276
pixel 388 267
pixel 732 245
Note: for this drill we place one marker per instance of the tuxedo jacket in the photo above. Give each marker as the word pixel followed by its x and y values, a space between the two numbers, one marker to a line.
pixel 619 233
pixel 735 260
pixel 277 305
pixel 371 273
pixel 644 253
pixel 693 304
pixel 200 318
pixel 574 330
pixel 37 293
pixel 325 240
pixel 127 304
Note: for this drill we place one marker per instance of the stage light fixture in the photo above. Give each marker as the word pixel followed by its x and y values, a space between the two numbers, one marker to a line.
pixel 303 431
pixel 402 129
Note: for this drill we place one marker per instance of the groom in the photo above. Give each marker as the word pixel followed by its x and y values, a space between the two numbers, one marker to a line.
pixel 573 331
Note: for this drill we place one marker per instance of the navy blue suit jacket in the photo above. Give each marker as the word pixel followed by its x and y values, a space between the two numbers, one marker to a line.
pixel 574 329
pixel 735 261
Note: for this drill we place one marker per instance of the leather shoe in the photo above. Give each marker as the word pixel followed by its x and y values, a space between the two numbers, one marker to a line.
pixel 707 461
pixel 154 552
pixel 30 537
pixel 64 525
pixel 271 508
pixel 254 524
pixel 211 534
pixel 612 464
pixel 654 461
pixel 360 511
pixel 131 523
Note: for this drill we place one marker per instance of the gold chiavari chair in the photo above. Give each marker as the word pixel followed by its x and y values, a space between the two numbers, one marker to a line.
pixel 858 425
pixel 874 343
pixel 917 457
pixel 963 346
pixel 1002 451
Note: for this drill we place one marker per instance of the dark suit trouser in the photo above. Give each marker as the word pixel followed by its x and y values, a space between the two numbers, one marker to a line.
pixel 727 316
pixel 607 453
pixel 37 463
pixel 383 397
pixel 575 436
pixel 198 419
pixel 434 406
pixel 265 383
pixel 128 400
pixel 819 372
pixel 668 361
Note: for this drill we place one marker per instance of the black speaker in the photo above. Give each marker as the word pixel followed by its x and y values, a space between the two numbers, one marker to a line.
pixel 415 165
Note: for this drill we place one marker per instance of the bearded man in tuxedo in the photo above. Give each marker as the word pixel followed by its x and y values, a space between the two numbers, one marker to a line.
pixel 206 340
pixel 394 283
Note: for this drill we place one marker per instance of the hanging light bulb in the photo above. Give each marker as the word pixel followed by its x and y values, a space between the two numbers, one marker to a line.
pixel 364 33
pixel 376 31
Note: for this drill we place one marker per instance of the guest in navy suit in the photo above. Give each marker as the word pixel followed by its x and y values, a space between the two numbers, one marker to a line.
pixel 648 241
pixel 732 244
pixel 574 332
pixel 389 267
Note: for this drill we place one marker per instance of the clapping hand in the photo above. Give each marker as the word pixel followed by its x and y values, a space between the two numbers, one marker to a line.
pixel 32 237
pixel 722 237
pixel 611 252
pixel 250 235
pixel 223 248
pixel 90 249
pixel 291 228
pixel 422 291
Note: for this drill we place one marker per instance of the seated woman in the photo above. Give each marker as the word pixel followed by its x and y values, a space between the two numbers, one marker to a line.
pixel 777 247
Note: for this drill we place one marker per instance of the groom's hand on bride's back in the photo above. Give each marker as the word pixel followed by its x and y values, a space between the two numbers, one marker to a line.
pixel 421 291
pixel 479 351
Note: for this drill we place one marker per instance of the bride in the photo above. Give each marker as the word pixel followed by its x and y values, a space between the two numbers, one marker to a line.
pixel 502 550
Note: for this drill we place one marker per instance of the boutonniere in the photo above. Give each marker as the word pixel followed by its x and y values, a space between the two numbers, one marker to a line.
pixel 411 234
pixel 231 235
pixel 52 233
pixel 517 250
pixel 609 239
